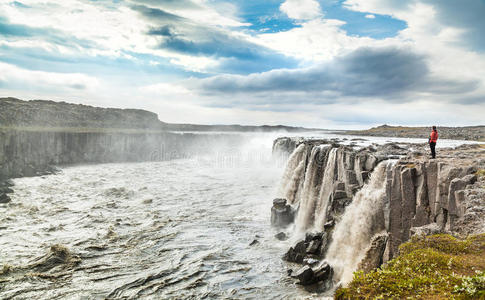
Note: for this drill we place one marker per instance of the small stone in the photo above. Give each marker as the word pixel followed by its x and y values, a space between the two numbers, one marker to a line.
pixel 254 242
pixel 281 236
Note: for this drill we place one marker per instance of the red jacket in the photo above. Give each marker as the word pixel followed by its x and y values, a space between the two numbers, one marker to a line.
pixel 433 137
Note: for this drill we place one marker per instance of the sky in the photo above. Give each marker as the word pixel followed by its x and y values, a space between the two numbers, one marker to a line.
pixel 341 64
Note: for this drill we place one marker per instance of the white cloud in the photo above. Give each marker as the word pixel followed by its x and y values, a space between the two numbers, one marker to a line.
pixel 315 40
pixel 370 16
pixel 301 9
pixel 14 76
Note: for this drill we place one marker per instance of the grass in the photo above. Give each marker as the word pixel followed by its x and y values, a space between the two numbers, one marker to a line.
pixel 480 173
pixel 434 267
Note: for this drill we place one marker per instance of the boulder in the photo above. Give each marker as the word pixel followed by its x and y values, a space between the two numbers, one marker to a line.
pixel 281 213
pixel 314 246
pixel 305 275
pixel 281 236
pixel 323 272
pixel 296 253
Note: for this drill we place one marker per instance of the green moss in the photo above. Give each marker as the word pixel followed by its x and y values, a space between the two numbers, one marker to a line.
pixel 480 173
pixel 436 267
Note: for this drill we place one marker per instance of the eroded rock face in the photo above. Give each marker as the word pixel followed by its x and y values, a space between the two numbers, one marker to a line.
pixel 374 255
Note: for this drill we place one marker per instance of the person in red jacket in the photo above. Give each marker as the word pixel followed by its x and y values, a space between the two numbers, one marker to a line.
pixel 433 137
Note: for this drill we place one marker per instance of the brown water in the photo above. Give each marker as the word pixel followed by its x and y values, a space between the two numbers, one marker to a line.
pixel 179 229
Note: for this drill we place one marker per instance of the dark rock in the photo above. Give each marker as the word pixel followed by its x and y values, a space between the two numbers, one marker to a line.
pixel 314 246
pixel 339 185
pixel 365 175
pixel 323 272
pixel 311 236
pixel 6 183
pixel 305 275
pixel 296 253
pixel 281 236
pixel 281 214
pixel 6 190
pixel 339 195
pixel 4 198
pixel 254 242
pixel 329 224
pixel 289 272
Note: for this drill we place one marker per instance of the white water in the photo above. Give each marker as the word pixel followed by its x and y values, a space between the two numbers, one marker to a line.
pixel 362 219
pixel 170 230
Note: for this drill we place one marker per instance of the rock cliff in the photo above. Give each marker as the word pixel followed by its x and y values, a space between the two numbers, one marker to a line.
pixel 408 194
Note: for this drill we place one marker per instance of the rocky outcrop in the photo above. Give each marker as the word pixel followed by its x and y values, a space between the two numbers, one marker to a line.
pixel 412 195
pixel 281 213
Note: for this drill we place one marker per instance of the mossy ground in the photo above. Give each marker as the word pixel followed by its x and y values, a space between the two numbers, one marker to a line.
pixel 434 267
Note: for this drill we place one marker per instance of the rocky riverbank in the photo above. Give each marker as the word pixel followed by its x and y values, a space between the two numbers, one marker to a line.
pixel 468 133
pixel 358 205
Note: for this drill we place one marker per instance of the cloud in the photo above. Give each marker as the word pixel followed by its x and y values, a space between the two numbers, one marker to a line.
pixel 370 16
pixel 14 77
pixel 301 9
pixel 394 74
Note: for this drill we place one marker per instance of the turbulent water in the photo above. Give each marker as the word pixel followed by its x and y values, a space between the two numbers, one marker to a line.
pixel 175 229
pixel 183 229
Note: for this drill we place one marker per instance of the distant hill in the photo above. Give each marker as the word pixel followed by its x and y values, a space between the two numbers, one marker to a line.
pixel 50 114
pixel 473 133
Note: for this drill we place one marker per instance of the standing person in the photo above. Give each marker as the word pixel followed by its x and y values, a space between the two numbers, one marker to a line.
pixel 433 137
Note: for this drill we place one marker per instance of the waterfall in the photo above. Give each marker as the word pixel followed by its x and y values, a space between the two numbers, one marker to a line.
pixel 362 219
pixel 293 175
pixel 326 190
pixel 311 187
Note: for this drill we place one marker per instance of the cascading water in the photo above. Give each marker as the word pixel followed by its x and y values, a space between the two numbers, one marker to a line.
pixel 294 174
pixel 326 190
pixel 311 187
pixel 362 219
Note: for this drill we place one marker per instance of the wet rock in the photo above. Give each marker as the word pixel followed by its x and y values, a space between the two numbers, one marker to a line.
pixel 339 195
pixel 6 190
pixel 329 224
pixel 374 255
pixel 6 183
pixel 281 236
pixel 281 213
pixel 4 198
pixel 254 242
pixel 305 275
pixel 365 175
pixel 313 246
pixel 324 272
pixel 296 253
pixel 58 256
